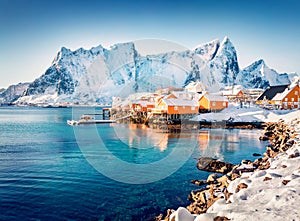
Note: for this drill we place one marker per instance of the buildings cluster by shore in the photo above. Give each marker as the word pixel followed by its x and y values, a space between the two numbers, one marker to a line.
pixel 171 106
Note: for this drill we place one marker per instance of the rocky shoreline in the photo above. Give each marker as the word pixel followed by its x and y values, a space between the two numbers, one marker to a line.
pixel 281 137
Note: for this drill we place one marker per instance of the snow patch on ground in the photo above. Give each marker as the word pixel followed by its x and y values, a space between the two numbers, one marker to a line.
pixel 248 114
pixel 275 198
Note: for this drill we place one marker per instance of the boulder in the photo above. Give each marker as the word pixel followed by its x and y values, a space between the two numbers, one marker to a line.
pixel 241 186
pixel 181 214
pixel 212 178
pixel 285 182
pixel 198 182
pixel 213 165
pixel 221 218
pixel 267 178
pixel 294 155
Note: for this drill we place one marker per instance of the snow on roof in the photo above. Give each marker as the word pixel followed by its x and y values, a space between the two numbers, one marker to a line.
pixel 180 102
pixel 271 92
pixel 281 96
pixel 195 87
pixel 186 95
pixel 252 114
pixel 215 97
pixel 234 87
pixel 144 103
pixel 231 92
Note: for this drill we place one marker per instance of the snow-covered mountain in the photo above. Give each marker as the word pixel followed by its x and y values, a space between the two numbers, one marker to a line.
pixel 293 76
pixel 95 75
pixel 12 93
pixel 208 51
pixel 259 75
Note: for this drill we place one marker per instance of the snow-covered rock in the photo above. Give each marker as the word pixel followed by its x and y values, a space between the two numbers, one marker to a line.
pixel 182 214
pixel 272 194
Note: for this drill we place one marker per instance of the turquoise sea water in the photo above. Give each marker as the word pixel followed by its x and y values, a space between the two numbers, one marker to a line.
pixel 46 174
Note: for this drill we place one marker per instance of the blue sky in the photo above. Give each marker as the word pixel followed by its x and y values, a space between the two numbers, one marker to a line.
pixel 33 31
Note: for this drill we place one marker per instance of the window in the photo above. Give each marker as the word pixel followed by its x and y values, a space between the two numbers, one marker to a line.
pixel 293 99
pixel 224 104
pixel 193 108
pixel 296 92
pixel 175 107
pixel 286 99
pixel 214 103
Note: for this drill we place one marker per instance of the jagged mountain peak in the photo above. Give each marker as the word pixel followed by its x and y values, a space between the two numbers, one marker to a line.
pixel 124 45
pixel 213 42
pixel 256 64
pixel 62 53
pixel 261 67
pixel 97 49
pixel 208 50
pixel 260 62
pixel 226 40
pixel 226 46
pixel 259 75
pixel 66 53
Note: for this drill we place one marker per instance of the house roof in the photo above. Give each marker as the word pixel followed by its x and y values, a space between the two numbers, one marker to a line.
pixel 233 92
pixel 186 95
pixel 215 97
pixel 271 92
pixel 145 103
pixel 281 96
pixel 180 102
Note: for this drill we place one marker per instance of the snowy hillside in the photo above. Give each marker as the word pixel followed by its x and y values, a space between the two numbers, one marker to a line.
pixel 259 75
pixel 95 75
pixel 208 51
pixel 12 93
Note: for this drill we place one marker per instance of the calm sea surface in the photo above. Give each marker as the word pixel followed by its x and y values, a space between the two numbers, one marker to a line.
pixel 45 174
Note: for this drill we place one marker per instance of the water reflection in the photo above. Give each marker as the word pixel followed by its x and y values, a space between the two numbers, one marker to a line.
pixel 141 137
pixel 203 140
pixel 216 143
pixel 209 142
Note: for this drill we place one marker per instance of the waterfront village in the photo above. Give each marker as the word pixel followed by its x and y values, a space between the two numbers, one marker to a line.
pixel 168 107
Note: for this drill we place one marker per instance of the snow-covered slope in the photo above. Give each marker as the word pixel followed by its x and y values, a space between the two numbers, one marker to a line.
pixel 12 93
pixel 62 77
pixel 95 75
pixel 293 76
pixel 259 75
pixel 208 51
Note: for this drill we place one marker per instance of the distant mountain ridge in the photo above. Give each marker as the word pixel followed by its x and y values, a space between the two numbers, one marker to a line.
pixel 12 93
pixel 98 74
pixel 259 75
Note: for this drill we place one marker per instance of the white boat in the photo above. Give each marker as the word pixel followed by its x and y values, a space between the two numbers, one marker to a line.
pixel 72 122
pixel 86 119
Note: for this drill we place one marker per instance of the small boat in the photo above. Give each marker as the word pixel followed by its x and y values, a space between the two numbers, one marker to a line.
pixel 86 119
pixel 72 122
